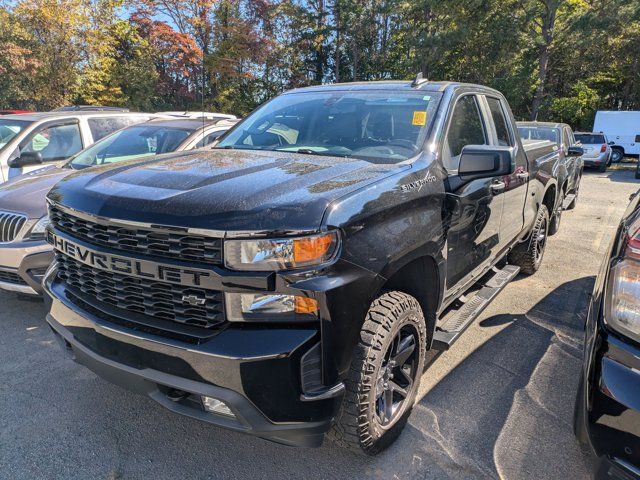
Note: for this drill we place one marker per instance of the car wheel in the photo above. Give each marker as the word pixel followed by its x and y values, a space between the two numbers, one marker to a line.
pixel 384 375
pixel 616 155
pixel 603 167
pixel 528 254
pixel 638 169
pixel 554 224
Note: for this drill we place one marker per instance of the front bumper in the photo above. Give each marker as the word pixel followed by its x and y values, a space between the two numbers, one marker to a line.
pixel 255 371
pixel 22 266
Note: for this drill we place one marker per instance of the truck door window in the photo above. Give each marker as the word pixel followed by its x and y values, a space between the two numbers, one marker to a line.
pixel 500 122
pixel 54 142
pixel 466 128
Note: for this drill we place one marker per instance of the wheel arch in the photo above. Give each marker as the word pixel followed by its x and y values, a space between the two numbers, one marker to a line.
pixel 422 277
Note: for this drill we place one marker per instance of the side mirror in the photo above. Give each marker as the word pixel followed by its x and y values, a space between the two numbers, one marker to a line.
pixel 25 159
pixel 575 151
pixel 485 161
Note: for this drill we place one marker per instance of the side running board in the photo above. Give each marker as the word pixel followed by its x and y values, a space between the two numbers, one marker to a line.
pixel 567 200
pixel 450 327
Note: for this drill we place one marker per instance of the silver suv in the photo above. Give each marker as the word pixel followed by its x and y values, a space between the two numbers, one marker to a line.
pixel 597 152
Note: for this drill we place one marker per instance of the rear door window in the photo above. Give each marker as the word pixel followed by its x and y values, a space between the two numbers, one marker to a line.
pixel 102 126
pixel 54 142
pixel 466 128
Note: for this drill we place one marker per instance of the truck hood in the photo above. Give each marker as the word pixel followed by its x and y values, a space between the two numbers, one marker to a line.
pixel 26 194
pixel 220 189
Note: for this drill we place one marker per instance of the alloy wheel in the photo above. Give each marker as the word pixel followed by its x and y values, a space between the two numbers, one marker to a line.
pixel 396 378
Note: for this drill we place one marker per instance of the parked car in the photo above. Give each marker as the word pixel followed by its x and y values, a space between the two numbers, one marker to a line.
pixel 607 413
pixel 622 129
pixel 597 152
pixel 569 168
pixel 24 253
pixel 31 139
pixel 290 281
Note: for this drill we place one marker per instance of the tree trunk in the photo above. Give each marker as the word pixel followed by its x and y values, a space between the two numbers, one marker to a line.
pixel 336 58
pixel 547 25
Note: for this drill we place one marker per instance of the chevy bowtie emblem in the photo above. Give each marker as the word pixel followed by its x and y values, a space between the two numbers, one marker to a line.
pixel 193 300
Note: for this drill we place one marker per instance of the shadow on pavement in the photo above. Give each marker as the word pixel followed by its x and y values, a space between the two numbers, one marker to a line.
pixel 504 411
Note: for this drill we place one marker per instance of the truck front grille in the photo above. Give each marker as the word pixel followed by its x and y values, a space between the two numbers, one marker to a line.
pixel 10 225
pixel 159 242
pixel 160 300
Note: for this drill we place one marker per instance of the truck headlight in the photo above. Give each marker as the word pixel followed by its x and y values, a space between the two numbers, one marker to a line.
pixel 40 227
pixel 624 309
pixel 280 254
pixel 247 307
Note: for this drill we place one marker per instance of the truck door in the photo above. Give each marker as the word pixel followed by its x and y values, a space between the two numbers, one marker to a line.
pixel 476 207
pixel 515 190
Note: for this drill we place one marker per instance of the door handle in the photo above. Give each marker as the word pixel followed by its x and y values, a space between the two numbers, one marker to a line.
pixel 522 175
pixel 498 187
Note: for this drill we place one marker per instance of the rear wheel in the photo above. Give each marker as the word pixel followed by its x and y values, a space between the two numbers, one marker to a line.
pixel 384 375
pixel 528 255
pixel 616 155
pixel 603 167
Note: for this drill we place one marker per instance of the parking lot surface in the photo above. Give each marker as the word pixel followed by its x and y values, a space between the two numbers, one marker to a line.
pixel 498 404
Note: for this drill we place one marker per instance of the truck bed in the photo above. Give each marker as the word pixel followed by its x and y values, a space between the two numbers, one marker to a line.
pixel 538 148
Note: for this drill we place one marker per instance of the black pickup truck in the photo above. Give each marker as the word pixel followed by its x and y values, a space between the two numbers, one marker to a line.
pixel 289 283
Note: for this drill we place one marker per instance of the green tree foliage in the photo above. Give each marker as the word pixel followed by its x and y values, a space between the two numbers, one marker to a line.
pixel 553 59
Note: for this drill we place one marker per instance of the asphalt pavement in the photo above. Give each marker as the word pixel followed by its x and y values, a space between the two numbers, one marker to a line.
pixel 497 405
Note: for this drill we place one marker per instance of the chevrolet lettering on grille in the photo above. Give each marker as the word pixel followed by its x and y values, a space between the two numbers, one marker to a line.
pixel 139 268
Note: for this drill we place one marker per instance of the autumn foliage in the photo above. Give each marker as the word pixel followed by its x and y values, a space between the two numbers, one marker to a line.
pixel 554 59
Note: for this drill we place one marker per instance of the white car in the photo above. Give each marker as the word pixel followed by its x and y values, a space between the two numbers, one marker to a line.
pixel 622 129
pixel 29 140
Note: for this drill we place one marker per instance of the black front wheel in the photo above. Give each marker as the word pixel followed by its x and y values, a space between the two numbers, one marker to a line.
pixel 385 372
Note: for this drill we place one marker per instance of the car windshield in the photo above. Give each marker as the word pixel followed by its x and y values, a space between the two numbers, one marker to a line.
pixel 132 142
pixel 540 133
pixel 590 138
pixel 9 129
pixel 387 127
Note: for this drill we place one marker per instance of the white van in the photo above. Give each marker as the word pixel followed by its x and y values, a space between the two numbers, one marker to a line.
pixel 622 129
pixel 30 139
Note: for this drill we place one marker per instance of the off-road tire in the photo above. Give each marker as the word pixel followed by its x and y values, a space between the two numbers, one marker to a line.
pixel 526 255
pixel 357 427
pixel 554 223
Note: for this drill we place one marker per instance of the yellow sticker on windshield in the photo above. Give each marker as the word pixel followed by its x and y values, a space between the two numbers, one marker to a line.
pixel 419 118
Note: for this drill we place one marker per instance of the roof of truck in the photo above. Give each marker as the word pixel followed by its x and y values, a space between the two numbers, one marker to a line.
pixel 408 85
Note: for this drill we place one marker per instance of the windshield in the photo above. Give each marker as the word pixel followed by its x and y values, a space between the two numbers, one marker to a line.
pixel 388 127
pixel 132 142
pixel 540 133
pixel 9 129
pixel 589 138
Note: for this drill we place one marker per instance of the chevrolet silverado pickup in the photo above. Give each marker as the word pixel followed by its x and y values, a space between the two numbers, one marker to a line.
pixel 289 282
